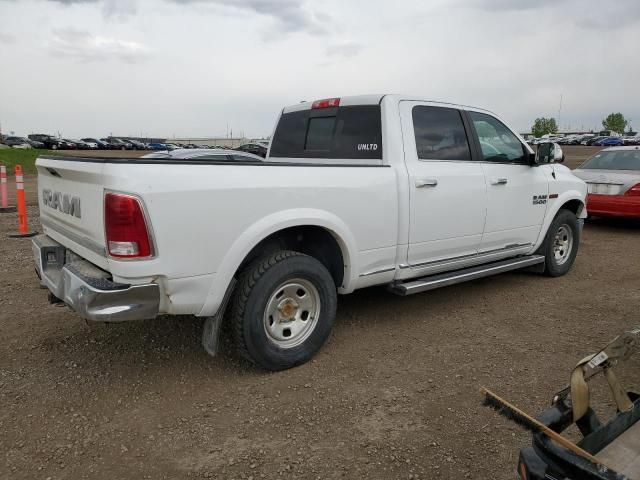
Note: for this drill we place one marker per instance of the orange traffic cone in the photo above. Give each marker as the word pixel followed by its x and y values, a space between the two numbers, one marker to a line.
pixel 23 224
pixel 4 203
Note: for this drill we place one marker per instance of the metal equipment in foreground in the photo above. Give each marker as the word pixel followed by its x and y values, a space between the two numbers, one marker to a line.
pixel 607 451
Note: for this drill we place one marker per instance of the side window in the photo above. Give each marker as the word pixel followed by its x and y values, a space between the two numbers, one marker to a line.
pixel 497 142
pixel 440 134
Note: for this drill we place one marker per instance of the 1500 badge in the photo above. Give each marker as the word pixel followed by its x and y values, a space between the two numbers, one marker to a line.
pixel 539 199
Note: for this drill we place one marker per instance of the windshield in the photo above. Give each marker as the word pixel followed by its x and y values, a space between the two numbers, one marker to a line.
pixel 614 160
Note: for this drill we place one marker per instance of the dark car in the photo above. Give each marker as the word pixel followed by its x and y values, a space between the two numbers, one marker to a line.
pixel 75 144
pixel 101 145
pixel 112 144
pixel 16 141
pixel 49 141
pixel 108 144
pixel 136 144
pixel 254 148
pixel 34 143
pixel 120 144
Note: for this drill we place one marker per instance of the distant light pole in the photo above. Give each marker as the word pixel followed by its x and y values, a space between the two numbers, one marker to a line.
pixel 559 111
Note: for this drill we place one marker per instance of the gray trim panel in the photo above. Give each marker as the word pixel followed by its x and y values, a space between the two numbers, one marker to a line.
pixel 463 257
pixel 74 237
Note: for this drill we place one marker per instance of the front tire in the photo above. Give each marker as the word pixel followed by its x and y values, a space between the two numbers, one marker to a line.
pixel 561 243
pixel 283 310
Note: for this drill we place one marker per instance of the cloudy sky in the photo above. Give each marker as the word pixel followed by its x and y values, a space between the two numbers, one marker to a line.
pixel 192 67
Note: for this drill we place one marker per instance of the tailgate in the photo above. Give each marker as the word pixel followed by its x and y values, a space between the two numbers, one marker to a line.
pixel 70 196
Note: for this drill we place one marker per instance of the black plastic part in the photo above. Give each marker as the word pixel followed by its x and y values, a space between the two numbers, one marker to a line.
pixel 53 299
pixel 173 161
pixel 23 235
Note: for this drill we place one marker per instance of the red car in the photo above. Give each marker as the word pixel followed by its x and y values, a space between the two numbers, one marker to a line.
pixel 613 180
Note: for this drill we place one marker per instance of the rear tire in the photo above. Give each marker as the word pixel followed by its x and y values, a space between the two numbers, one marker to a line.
pixel 283 310
pixel 560 245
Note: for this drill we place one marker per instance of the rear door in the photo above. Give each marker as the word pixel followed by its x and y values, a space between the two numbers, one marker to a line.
pixel 447 188
pixel 517 192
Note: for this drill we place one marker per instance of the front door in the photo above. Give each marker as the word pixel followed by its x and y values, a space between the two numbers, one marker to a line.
pixel 517 193
pixel 447 199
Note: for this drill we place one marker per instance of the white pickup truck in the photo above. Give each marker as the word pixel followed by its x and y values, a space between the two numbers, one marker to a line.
pixel 354 192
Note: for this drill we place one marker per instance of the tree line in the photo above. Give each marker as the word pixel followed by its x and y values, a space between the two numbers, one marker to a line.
pixel 613 121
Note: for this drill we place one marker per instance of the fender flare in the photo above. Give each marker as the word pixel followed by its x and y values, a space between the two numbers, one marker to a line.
pixel 269 225
pixel 554 208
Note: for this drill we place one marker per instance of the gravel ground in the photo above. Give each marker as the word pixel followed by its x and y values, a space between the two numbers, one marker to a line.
pixel 394 394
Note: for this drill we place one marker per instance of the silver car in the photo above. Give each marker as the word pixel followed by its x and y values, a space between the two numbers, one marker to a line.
pixel 212 154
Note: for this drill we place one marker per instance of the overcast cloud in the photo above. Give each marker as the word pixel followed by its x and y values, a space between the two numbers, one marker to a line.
pixel 194 67
pixel 85 47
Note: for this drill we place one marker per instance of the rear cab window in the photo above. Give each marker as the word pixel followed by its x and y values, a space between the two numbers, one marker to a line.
pixel 343 132
pixel 440 134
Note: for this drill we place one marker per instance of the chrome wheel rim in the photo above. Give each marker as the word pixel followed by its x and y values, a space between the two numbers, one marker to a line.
pixel 562 244
pixel 292 313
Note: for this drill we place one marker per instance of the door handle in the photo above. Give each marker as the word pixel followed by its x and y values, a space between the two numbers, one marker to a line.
pixel 426 182
pixel 499 181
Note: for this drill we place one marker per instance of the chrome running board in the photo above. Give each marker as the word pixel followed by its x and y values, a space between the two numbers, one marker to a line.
pixel 432 282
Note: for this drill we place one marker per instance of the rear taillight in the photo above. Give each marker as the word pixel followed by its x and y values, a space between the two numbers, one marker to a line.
pixel 326 103
pixel 634 191
pixel 125 227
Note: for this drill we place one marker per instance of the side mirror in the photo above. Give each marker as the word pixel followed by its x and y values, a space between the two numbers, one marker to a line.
pixel 549 153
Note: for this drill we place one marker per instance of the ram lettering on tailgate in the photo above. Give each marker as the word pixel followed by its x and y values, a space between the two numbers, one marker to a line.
pixel 63 202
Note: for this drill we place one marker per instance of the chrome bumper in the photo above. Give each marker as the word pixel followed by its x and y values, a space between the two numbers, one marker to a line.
pixel 87 289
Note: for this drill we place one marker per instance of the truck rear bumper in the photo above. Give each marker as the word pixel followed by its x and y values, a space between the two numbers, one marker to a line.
pixel 87 289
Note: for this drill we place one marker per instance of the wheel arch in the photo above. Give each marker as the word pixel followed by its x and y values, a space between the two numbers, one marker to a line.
pixel 571 200
pixel 329 235
pixel 574 205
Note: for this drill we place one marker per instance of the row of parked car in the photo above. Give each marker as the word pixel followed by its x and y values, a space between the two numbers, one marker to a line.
pixel 259 148
pixel 603 139
pixel 114 143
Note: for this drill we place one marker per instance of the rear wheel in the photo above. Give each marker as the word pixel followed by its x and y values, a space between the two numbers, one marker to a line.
pixel 283 310
pixel 560 246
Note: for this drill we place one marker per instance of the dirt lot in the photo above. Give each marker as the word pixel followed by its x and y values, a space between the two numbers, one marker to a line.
pixel 394 394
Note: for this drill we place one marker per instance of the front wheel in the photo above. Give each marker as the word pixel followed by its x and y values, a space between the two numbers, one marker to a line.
pixel 283 310
pixel 561 243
